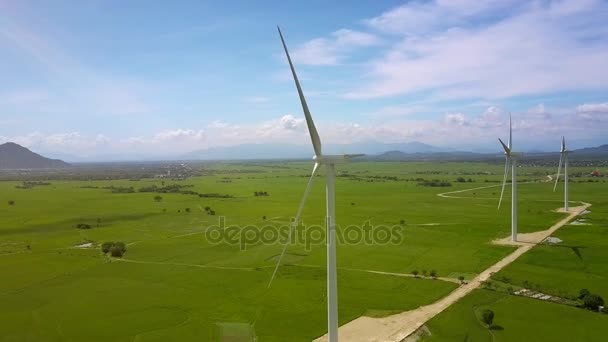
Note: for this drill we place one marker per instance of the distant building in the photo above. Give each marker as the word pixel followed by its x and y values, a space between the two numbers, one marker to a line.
pixel 595 173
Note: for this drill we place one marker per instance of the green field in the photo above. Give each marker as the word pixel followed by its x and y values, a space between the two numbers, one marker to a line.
pixel 173 284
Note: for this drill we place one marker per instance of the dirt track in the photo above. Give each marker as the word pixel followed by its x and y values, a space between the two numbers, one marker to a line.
pixel 398 327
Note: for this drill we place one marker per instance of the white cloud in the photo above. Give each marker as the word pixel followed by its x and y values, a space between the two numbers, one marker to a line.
pixel 180 135
pixel 593 108
pixel 257 99
pixel 455 119
pixel 333 49
pixel 533 50
pixel 290 122
pixel 417 17
pixel 596 112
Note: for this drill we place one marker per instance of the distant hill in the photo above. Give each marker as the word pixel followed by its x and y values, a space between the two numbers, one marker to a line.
pixel 283 151
pixel 420 156
pixel 593 151
pixel 14 156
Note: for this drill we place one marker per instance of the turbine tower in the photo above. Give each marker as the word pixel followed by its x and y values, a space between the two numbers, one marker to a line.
pixel 329 161
pixel 510 158
pixel 563 157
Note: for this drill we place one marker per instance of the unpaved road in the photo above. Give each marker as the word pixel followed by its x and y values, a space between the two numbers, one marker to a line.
pixel 398 327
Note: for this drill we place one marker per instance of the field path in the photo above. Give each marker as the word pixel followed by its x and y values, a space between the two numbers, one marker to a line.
pixel 397 328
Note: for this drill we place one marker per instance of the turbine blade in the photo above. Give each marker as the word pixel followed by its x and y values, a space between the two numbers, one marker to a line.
pixel 504 181
pixel 510 133
pixel 559 168
pixel 505 147
pixel 312 130
pixel 295 221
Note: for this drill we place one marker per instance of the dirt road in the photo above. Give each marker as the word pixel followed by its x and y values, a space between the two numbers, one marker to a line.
pixel 397 327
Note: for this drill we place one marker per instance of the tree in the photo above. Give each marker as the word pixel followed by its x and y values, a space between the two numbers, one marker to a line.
pixel 415 273
pixel 158 198
pixel 461 180
pixel 264 217
pixel 424 273
pixel 402 221
pixel 187 210
pixel 207 208
pixel 461 279
pixel 105 247
pixel 488 317
pixel 11 202
pixel 116 252
pixel 211 212
pixel 583 293
pixel 593 301
pixel 433 274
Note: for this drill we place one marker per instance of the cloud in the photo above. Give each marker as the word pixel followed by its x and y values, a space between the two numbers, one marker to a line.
pixel 596 112
pixel 180 135
pixel 417 17
pixel 593 108
pixel 485 55
pixel 333 49
pixel 290 122
pixel 257 99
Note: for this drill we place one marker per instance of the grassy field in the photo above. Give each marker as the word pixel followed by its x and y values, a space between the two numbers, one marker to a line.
pixel 516 319
pixel 174 284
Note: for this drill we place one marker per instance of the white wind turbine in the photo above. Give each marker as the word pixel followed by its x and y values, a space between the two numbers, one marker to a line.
pixel 563 157
pixel 329 161
pixel 510 158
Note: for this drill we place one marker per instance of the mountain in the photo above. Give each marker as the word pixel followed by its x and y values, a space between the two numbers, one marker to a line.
pixel 284 151
pixel 422 156
pixel 600 151
pixel 14 156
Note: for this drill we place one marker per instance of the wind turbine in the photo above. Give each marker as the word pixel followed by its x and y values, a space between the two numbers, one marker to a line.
pixel 329 161
pixel 563 157
pixel 510 158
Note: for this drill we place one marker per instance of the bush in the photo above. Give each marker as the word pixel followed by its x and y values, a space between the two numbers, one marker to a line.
pixel 116 252
pixel 593 301
pixel 105 247
pixel 83 226
pixel 117 249
pixel 415 273
pixel 583 293
pixel 433 274
pixel 461 279
pixel 11 202
pixel 488 317
pixel 158 198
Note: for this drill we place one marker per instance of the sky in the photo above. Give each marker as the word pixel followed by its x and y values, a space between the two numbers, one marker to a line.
pixel 150 78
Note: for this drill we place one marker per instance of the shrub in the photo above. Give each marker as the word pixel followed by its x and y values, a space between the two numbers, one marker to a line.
pixel 461 279
pixel 116 252
pixel 593 301
pixel 583 293
pixel 415 273
pixel 11 202
pixel 83 226
pixel 488 317
pixel 116 249
pixel 105 247
pixel 158 198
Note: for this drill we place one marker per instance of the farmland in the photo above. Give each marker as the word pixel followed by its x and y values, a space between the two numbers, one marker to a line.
pixel 173 283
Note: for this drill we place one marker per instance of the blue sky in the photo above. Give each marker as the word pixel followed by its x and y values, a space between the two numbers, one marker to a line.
pixel 155 78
